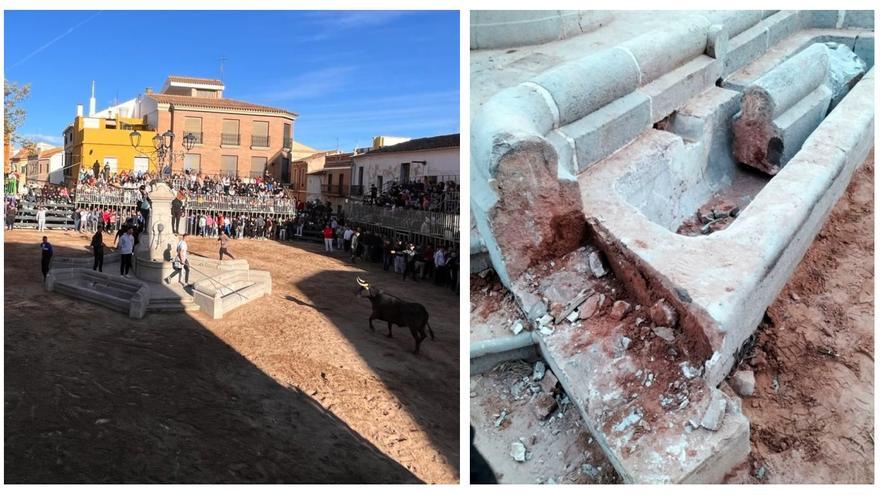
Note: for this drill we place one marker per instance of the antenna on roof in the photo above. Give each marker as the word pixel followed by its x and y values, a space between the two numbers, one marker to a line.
pixel 222 61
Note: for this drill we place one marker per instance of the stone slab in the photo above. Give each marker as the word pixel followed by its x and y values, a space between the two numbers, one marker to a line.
pixel 675 88
pixel 643 446
pixel 608 129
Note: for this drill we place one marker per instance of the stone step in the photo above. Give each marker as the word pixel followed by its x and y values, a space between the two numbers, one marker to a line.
pixel 106 300
pixel 169 307
pixel 649 426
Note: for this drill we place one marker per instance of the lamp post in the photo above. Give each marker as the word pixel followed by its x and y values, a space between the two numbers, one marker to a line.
pixel 164 145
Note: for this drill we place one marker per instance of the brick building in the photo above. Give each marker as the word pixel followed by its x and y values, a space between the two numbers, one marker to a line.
pixel 232 137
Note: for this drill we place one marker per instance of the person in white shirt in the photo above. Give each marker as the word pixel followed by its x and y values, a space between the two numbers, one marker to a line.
pixel 346 238
pixel 83 219
pixel 181 263
pixel 126 249
pixel 41 218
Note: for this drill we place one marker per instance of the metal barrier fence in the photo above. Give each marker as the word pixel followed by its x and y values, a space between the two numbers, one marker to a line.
pixel 431 224
pixel 216 202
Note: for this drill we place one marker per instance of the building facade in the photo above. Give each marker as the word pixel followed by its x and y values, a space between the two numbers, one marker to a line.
pixel 42 166
pixel 429 159
pixel 231 137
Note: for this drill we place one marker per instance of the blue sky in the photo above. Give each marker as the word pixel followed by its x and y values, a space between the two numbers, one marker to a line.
pixel 349 75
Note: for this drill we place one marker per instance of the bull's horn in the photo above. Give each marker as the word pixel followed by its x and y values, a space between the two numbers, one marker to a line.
pixel 362 283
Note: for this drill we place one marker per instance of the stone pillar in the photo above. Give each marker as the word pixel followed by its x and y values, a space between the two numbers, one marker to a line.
pixel 157 242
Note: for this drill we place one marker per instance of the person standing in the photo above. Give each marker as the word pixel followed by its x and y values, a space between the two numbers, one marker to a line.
pixel 144 204
pixel 224 245
pixel 410 263
pixel 356 246
pixel 181 263
pixel 440 266
pixel 126 250
pixel 83 219
pixel 47 251
pixel 11 211
pixel 328 238
pixel 41 218
pixel 98 251
pixel 176 213
pixel 346 238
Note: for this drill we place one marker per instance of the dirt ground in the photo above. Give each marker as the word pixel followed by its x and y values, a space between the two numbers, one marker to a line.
pixel 558 450
pixel 812 414
pixel 292 388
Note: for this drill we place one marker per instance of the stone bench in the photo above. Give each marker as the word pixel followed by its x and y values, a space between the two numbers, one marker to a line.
pixel 127 296
pixel 224 292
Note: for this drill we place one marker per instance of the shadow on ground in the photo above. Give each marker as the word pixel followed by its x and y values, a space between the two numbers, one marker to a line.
pixel 94 397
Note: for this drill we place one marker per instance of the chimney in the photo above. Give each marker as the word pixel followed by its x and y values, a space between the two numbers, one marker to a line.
pixel 148 90
pixel 79 110
pixel 92 101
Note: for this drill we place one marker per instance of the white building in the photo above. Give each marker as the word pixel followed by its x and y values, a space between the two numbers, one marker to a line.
pixel 56 167
pixel 430 159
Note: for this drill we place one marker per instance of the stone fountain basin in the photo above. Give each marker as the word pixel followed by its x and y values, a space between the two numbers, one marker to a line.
pixel 128 296
pixel 721 284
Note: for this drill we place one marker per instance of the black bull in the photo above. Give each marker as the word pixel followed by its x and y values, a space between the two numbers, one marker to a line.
pixel 396 311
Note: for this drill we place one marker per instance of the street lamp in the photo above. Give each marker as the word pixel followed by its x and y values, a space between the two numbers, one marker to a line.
pixel 135 137
pixel 189 140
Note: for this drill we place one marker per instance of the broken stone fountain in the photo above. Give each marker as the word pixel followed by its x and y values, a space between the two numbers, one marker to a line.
pixel 217 286
pixel 748 125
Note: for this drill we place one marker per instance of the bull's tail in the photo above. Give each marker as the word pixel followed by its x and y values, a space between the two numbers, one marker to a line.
pixel 430 329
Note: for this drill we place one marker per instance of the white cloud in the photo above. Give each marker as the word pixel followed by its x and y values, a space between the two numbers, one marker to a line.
pixel 312 84
pixel 333 23
pixel 43 138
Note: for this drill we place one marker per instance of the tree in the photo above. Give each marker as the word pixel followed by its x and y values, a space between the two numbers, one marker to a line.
pixel 13 114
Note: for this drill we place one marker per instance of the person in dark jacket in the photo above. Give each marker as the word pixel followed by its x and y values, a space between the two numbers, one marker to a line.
pixel 47 251
pixel 176 213
pixel 98 251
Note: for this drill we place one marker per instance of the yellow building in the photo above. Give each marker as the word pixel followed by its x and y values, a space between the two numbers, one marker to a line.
pixel 99 142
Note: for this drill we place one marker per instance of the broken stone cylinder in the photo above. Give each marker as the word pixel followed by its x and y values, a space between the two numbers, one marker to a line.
pixel 781 109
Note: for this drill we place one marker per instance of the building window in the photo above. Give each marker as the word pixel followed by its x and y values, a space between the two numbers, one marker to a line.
pixel 192 162
pixel 229 165
pixel 288 141
pixel 193 125
pixel 230 135
pixel 206 93
pixel 258 165
pixel 260 134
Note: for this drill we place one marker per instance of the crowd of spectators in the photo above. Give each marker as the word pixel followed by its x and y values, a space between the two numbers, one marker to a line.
pixel 418 195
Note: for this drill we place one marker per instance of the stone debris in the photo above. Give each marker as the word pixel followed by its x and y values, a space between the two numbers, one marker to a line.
pixel 743 382
pixel 620 309
pixel 622 343
pixel 518 451
pixel 544 320
pixel 663 314
pixel 590 306
pixel 549 382
pixel 539 371
pixel 573 317
pixel 596 265
pixel 501 418
pixel 517 327
pixel 845 70
pixel 664 333
pixel 714 415
pixel 689 371
pixel 572 306
pixel 546 331
pixel 544 406
pixel 590 470
pixel 649 380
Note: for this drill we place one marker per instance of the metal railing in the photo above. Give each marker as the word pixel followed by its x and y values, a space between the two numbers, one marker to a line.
pixel 287 143
pixel 261 141
pixel 427 223
pixel 86 197
pixel 198 136
pixel 356 190
pixel 230 139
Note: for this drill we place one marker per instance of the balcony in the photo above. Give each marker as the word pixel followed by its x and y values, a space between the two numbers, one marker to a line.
pixel 198 136
pixel 333 189
pixel 287 143
pixel 230 139
pixel 356 190
pixel 260 141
